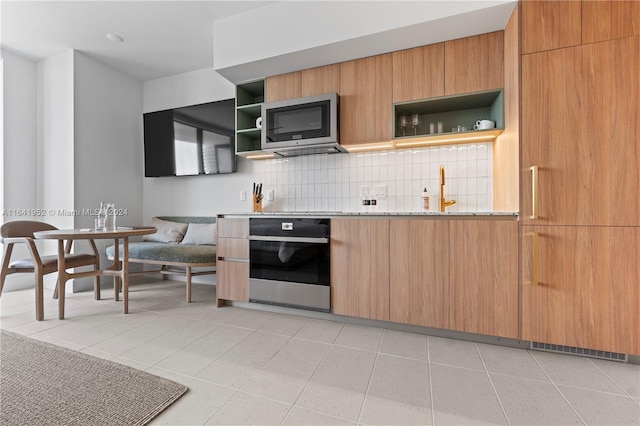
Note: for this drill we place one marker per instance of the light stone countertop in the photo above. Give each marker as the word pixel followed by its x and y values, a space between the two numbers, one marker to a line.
pixel 373 213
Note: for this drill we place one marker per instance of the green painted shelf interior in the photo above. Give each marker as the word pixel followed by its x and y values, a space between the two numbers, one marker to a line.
pixel 452 111
pixel 249 99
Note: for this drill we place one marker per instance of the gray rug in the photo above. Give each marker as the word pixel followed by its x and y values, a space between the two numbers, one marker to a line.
pixel 44 384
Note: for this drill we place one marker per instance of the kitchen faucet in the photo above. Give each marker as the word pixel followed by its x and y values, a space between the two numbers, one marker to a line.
pixel 443 203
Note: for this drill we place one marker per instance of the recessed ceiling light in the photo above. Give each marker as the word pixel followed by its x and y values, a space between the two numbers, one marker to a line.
pixel 115 38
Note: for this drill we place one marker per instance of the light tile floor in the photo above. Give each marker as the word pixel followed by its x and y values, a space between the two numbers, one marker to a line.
pixel 245 366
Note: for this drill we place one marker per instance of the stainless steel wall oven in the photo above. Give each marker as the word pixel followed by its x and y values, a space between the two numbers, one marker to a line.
pixel 290 262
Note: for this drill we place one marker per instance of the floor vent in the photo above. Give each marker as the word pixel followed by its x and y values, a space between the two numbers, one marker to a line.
pixel 592 353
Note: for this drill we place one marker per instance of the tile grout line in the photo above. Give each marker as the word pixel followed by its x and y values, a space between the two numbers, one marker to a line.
pixel 373 369
pixel 610 378
pixel 557 388
pixel 495 392
pixel 433 408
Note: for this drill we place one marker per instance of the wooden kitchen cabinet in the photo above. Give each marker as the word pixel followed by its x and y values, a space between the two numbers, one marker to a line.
pixel 366 97
pixel 232 265
pixel 419 272
pixel 418 73
pixel 608 20
pixel 320 80
pixel 548 25
pixel 587 294
pixel 484 277
pixel 474 64
pixel 360 268
pixel 309 82
pixel 283 86
pixel 580 115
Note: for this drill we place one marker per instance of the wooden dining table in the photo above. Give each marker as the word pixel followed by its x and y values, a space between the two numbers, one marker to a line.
pixel 119 269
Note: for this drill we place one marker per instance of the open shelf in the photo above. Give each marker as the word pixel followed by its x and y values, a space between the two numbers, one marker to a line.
pixel 452 111
pixel 249 99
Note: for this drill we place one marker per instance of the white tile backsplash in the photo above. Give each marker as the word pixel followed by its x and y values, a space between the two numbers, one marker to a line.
pixel 332 182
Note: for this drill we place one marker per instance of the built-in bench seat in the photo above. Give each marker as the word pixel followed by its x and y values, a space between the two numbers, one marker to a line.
pixel 181 244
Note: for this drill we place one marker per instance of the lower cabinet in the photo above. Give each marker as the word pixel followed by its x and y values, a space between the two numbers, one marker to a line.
pixel 232 265
pixel 484 277
pixel 232 281
pixel 451 274
pixel 419 272
pixel 581 286
pixel 360 268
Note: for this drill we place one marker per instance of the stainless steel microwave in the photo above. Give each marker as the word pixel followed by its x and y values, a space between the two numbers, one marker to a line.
pixel 301 126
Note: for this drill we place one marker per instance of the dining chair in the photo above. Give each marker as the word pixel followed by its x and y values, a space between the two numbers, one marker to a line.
pixel 21 232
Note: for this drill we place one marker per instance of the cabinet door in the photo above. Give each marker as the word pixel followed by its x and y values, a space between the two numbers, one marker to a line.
pixel 419 273
pixel 321 80
pixel 418 73
pixel 360 268
pixel 366 100
pixel 283 86
pixel 232 281
pixel 587 293
pixel 580 115
pixel 473 64
pixel 548 25
pixel 233 227
pixel 484 277
pixel 608 20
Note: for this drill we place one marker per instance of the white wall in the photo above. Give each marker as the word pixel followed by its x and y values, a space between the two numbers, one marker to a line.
pixel 193 195
pixel 18 150
pixel 107 140
pixel 55 189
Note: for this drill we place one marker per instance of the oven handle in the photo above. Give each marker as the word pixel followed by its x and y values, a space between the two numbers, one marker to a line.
pixel 289 239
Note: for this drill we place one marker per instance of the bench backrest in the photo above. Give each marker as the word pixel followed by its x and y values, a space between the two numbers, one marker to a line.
pixel 189 219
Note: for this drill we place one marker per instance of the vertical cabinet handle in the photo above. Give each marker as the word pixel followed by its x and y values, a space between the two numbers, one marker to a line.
pixel 534 192
pixel 534 258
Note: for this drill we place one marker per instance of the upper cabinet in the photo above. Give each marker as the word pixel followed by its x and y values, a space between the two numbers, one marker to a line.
pixel 548 25
pixel 580 138
pixel 474 64
pixel 608 20
pixel 283 86
pixel 314 81
pixel 320 80
pixel 366 100
pixel 418 73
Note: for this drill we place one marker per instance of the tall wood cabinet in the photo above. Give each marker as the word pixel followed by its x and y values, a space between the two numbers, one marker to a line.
pixel 580 176
pixel 360 268
pixel 366 100
pixel 419 272
pixel 581 128
pixel 587 293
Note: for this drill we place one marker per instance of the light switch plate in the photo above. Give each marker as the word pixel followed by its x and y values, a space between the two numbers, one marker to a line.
pixel 380 191
pixel 243 195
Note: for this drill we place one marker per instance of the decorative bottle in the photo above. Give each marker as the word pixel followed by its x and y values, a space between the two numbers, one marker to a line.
pixel 425 200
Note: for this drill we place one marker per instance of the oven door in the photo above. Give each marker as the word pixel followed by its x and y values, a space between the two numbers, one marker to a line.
pixel 290 271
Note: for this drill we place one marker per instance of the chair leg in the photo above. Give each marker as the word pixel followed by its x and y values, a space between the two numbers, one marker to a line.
pixel 39 298
pixel 6 257
pixel 188 284
pixel 96 287
pixel 55 290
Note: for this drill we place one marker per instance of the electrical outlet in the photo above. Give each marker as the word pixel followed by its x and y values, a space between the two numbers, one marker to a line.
pixel 271 195
pixel 364 191
pixel 380 191
pixel 243 195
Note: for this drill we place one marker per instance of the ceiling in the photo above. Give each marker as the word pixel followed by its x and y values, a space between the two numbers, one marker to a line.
pixel 161 38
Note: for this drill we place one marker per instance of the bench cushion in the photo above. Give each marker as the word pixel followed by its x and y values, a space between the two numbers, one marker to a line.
pixel 170 253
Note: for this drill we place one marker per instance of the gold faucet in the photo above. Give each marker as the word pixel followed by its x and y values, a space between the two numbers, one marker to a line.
pixel 443 203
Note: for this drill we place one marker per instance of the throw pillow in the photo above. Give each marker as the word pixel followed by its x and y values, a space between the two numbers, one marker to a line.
pixel 168 232
pixel 200 234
